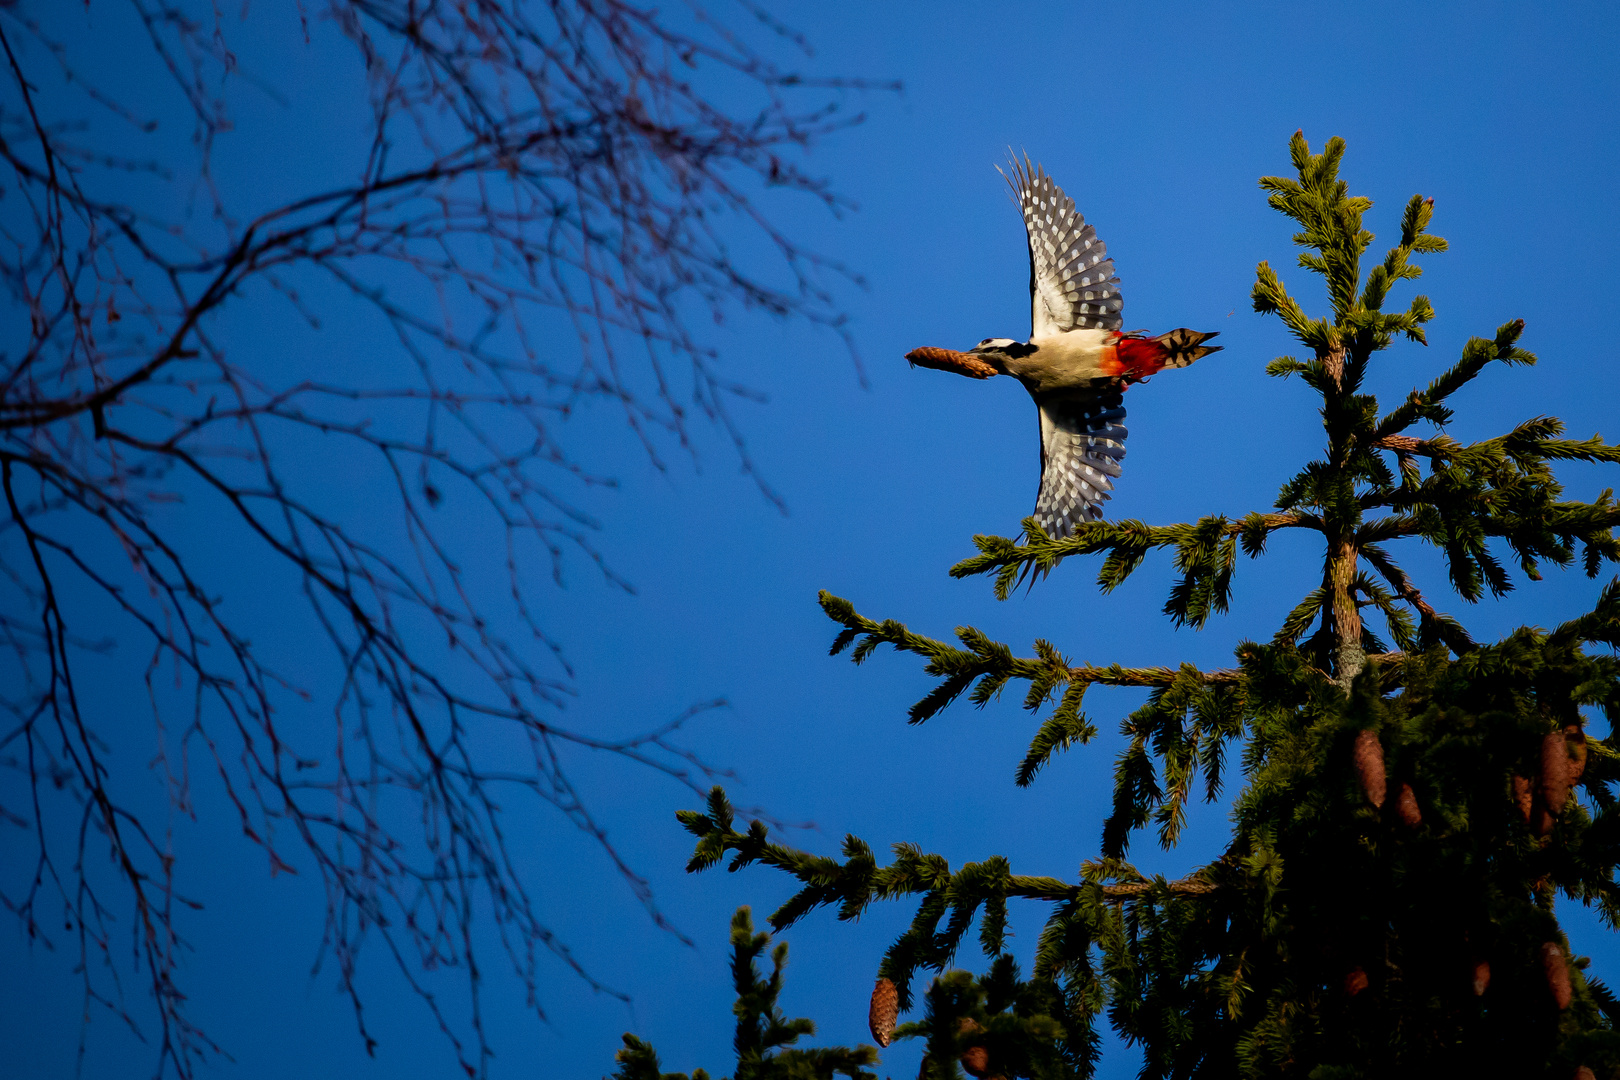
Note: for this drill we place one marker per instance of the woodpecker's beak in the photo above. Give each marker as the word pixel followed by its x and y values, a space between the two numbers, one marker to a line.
pixel 990 356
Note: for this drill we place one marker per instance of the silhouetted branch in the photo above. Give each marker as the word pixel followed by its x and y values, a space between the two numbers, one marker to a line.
pixel 545 207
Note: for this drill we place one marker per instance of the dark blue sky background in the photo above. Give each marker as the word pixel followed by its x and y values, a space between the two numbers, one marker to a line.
pixel 1157 119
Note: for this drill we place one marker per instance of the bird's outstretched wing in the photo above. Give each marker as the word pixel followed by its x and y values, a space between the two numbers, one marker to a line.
pixel 1071 277
pixel 1082 442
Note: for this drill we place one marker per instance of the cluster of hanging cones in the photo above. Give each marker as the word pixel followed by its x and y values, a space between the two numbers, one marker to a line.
pixel 1368 756
pixel 1554 967
pixel 1562 764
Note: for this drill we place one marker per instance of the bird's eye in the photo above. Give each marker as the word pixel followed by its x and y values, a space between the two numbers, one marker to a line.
pixel 985 342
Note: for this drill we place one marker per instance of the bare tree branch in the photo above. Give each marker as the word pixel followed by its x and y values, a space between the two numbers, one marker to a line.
pixel 552 197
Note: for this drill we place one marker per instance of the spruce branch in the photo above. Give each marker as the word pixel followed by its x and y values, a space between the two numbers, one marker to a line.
pixel 976 891
pixel 991 665
pixel 1434 625
pixel 764 1035
pixel 1405 445
pixel 1301 617
pixel 1477 353
pixel 1600 626
pixel 1270 297
pixel 1500 488
pixel 1203 552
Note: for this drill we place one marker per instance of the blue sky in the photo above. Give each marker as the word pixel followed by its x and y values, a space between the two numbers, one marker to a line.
pixel 1157 119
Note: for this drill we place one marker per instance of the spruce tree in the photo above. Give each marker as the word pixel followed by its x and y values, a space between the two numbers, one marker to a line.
pixel 1408 810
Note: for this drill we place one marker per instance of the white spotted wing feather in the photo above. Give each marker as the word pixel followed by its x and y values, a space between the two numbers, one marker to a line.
pixel 1071 278
pixel 1082 443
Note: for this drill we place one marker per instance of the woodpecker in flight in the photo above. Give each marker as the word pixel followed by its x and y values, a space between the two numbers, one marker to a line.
pixel 1076 364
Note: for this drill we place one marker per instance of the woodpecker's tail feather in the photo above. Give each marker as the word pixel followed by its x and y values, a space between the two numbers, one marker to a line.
pixel 1183 346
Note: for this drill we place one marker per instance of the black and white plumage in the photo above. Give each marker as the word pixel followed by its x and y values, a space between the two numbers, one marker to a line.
pixel 1072 284
pixel 1082 445
pixel 1077 364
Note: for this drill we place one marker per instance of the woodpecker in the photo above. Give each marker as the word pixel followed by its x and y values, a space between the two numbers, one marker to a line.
pixel 1077 363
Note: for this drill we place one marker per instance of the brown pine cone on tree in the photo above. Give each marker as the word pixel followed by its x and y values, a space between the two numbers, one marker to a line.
pixel 1355 981
pixel 1555 770
pixel 1369 759
pixel 1523 796
pixel 1557 971
pixel 975 1059
pixel 884 1012
pixel 1482 977
pixel 1408 805
pixel 1575 747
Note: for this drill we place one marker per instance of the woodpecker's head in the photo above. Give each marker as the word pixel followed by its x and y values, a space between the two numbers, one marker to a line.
pixel 993 346
pixel 996 351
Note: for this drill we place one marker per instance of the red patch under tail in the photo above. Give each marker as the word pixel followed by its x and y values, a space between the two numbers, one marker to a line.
pixel 1139 357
